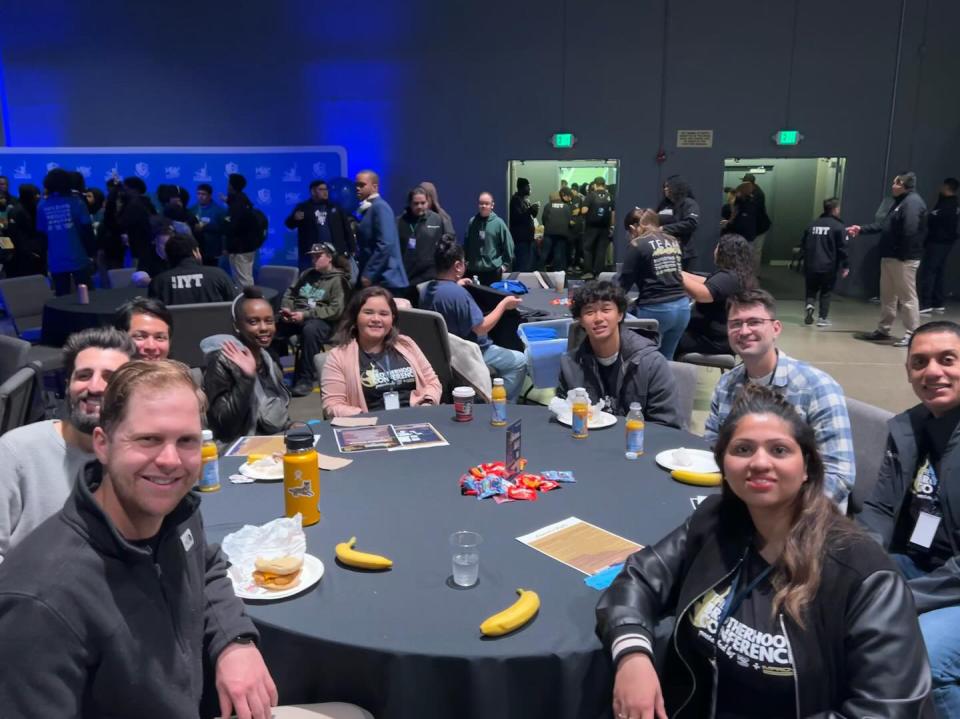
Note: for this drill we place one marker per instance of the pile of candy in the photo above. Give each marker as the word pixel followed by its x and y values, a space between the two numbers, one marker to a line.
pixel 491 480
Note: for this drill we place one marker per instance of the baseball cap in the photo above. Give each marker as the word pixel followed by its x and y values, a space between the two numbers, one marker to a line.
pixel 749 177
pixel 319 247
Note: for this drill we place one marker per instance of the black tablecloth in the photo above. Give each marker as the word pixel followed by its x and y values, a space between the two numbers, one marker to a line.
pixel 404 643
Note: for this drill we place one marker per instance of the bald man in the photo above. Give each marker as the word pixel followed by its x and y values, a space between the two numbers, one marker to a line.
pixel 488 244
pixel 381 261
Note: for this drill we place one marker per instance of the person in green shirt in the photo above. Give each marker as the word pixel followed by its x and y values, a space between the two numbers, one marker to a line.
pixel 488 243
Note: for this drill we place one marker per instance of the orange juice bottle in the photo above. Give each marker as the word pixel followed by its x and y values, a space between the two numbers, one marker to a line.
pixel 580 409
pixel 635 427
pixel 498 399
pixel 301 475
pixel 210 474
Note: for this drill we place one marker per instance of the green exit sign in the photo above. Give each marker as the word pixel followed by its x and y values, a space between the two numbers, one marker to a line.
pixel 788 137
pixel 563 140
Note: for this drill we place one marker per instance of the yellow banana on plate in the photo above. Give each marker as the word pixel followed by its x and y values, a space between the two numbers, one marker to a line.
pixel 700 479
pixel 514 616
pixel 348 555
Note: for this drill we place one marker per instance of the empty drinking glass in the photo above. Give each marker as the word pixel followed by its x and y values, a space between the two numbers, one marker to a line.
pixel 465 546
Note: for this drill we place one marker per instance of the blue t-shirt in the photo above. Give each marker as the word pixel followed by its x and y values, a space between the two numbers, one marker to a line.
pixel 60 219
pixel 458 308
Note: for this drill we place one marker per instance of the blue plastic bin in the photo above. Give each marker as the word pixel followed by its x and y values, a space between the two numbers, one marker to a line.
pixel 545 343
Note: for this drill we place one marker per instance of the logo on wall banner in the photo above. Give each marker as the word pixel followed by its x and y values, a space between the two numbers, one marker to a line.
pixel 112 174
pixel 263 173
pixel 85 170
pixel 142 169
pixel 264 196
pixel 230 168
pixel 172 173
pixel 291 175
pixel 202 175
pixel 52 166
pixel 292 198
pixel 319 169
pixel 20 173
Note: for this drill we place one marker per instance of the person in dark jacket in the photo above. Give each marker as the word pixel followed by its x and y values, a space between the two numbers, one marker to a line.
pixel 133 218
pixel 113 606
pixel 243 381
pixel 824 252
pixel 598 211
pixel 557 221
pixel 614 364
pixel 419 228
pixel 311 308
pixel 448 228
pixel 522 221
pixel 29 251
pixel 902 232
pixel 318 221
pixel 378 244
pixel 783 607
pixel 679 215
pixel 189 281
pixel 743 220
pixel 243 234
pixel 914 510
pixel 942 227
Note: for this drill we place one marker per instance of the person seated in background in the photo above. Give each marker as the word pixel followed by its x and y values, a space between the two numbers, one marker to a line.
pixel 464 318
pixel 654 263
pixel 311 309
pixel 617 365
pixel 189 281
pixel 119 597
pixel 706 332
pixel 912 509
pixel 41 460
pixel 149 324
pixel 244 382
pixel 784 608
pixel 753 329
pixel 420 229
pixel 373 366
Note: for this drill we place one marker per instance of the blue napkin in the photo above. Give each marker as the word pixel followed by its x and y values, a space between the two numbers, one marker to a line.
pixel 604 578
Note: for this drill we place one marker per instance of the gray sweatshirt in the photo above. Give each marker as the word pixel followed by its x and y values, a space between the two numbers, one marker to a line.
pixel 37 473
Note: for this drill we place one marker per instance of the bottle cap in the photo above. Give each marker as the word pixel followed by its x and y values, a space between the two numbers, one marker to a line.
pixel 498 381
pixel 297 438
pixel 207 435
pixel 635 407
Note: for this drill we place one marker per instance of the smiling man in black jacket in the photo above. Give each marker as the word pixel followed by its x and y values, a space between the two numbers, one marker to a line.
pixel 111 606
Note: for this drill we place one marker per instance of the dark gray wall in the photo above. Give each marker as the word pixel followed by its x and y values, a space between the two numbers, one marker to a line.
pixel 451 91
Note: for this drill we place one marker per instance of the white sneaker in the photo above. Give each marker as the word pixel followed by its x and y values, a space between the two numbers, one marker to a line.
pixel 808 315
pixel 926 310
pixel 824 322
pixel 939 310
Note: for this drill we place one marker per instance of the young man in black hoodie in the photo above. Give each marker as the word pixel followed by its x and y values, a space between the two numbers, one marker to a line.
pixel 189 281
pixel 824 248
pixel 679 215
pixel 941 234
pixel 243 233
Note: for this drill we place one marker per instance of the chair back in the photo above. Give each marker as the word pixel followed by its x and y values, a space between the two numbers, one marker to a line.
pixel 869 425
pixel 645 325
pixel 13 355
pixel 278 277
pixel 685 380
pixel 429 330
pixel 193 322
pixel 16 397
pixel 721 362
pixel 24 298
pixel 121 276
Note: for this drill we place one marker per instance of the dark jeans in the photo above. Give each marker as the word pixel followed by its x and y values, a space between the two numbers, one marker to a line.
pixel 313 335
pixel 932 269
pixel 61 280
pixel 823 283
pixel 525 256
pixel 576 247
pixel 595 243
pixel 554 252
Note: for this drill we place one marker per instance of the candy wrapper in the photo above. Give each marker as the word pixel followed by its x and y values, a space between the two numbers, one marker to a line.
pixel 274 539
pixel 558 475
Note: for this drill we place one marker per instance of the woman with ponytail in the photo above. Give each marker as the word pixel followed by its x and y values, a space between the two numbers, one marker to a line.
pixel 783 607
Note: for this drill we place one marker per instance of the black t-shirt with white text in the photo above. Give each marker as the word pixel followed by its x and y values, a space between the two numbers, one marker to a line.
pixel 387 371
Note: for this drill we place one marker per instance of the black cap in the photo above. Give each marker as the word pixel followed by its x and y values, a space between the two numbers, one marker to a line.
pixel 298 437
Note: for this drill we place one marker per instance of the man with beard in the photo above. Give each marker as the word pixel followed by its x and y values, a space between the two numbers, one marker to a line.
pixel 41 460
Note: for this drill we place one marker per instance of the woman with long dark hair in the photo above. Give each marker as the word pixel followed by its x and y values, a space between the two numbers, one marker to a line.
pixel 707 331
pixel 375 367
pixel 784 608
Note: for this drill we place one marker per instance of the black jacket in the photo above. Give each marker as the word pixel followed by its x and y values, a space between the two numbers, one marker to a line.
pixel 861 653
pixel 522 214
pixel 746 215
pixel 824 245
pixel 423 233
pixel 681 221
pixel 133 220
pixel 881 512
pixel 190 282
pixel 943 220
pixel 557 217
pixel 645 377
pixel 241 229
pixel 308 229
pixel 94 626
pixel 903 229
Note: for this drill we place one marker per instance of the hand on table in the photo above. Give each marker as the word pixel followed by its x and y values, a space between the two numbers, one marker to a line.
pixel 241 357
pixel 636 690
pixel 244 684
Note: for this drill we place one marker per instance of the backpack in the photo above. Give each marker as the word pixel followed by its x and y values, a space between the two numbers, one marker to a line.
pixel 263 224
pixel 600 206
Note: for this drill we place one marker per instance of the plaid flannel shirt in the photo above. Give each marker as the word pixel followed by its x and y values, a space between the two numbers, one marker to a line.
pixel 818 399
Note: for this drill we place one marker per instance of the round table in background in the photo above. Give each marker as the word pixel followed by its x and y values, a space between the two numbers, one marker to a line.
pixel 405 643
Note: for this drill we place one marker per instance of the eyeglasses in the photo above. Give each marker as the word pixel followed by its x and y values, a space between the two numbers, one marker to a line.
pixel 752 323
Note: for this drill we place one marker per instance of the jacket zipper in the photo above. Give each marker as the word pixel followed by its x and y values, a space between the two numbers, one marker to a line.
pixel 793 664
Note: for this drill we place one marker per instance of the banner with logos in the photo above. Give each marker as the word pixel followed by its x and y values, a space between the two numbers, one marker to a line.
pixel 277 177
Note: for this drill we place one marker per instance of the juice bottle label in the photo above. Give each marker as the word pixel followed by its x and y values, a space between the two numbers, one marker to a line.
pixel 499 417
pixel 210 476
pixel 579 424
pixel 635 437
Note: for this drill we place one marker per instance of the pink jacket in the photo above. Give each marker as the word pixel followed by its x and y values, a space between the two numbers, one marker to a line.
pixel 340 383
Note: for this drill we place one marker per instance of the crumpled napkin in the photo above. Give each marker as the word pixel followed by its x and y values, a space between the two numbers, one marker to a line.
pixel 562 408
pixel 280 537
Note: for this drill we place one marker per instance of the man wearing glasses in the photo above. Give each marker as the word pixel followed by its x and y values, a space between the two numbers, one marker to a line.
pixel 753 328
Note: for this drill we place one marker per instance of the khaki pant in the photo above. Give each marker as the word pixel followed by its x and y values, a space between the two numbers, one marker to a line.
pixel 757 247
pixel 898 282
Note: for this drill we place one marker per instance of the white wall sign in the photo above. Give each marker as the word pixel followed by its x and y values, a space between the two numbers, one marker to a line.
pixel 694 138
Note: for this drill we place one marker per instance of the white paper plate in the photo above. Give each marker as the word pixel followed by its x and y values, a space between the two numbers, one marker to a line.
pixel 604 419
pixel 263 476
pixel 700 460
pixel 246 588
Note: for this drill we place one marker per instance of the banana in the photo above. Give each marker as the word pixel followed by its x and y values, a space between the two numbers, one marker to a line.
pixel 348 555
pixel 700 479
pixel 514 616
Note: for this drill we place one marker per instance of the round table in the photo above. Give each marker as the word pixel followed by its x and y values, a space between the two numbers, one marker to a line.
pixel 405 643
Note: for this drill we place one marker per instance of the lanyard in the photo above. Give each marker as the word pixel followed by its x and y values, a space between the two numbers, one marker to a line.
pixel 735 599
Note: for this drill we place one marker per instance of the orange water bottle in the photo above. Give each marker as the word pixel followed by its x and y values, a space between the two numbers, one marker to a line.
pixel 498 399
pixel 580 413
pixel 210 474
pixel 301 475
pixel 635 426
